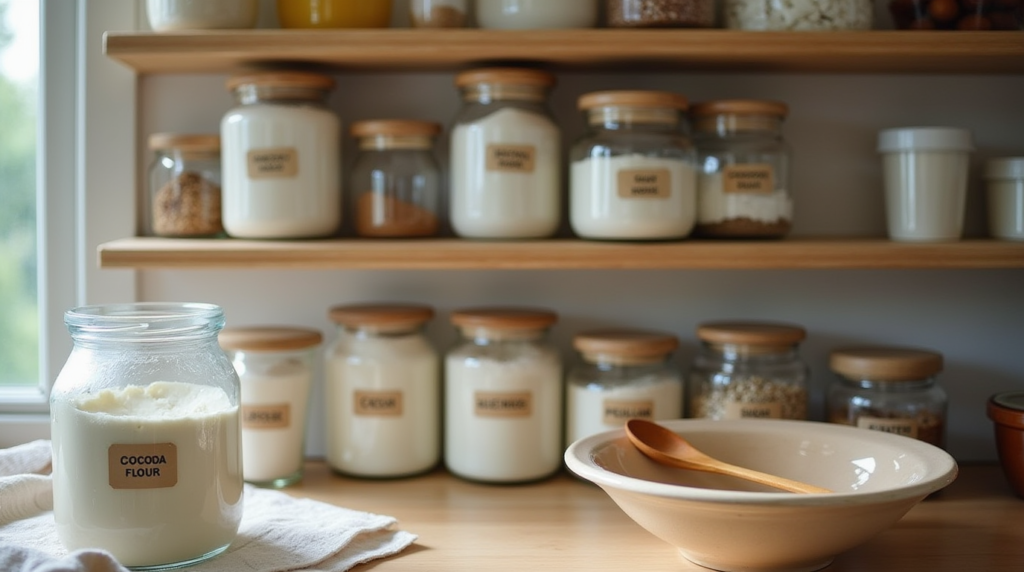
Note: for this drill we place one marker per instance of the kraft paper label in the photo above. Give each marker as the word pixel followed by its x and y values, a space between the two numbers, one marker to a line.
pixel 740 410
pixel 494 404
pixel 751 178
pixel 378 403
pixel 276 416
pixel 148 466
pixel 644 183
pixel 618 411
pixel 511 158
pixel 275 163
pixel 905 427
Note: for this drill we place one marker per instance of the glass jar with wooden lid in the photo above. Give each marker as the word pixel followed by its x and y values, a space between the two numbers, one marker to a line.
pixel 184 198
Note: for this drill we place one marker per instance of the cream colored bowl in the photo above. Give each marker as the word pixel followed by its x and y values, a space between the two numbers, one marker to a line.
pixel 728 524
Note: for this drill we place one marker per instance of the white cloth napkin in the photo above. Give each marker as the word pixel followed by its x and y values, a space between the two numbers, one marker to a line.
pixel 278 533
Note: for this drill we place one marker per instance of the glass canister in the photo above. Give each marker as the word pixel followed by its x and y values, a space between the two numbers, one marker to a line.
pixel 396 179
pixel 633 176
pixel 889 389
pixel 748 370
pixel 624 374
pixel 536 14
pixel 179 15
pixel 744 169
pixel 281 157
pixel 503 396
pixel 382 391
pixel 275 368
pixel 334 13
pixel 505 172
pixel 438 13
pixel 799 14
pixel 661 13
pixel 184 186
pixel 147 458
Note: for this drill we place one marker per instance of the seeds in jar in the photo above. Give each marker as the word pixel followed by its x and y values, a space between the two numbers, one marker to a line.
pixel 661 13
pixel 741 214
pixel 187 205
pixel 752 397
pixel 799 14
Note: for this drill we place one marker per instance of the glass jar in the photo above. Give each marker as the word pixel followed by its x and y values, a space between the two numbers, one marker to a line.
pixel 744 169
pixel 633 176
pixel 281 157
pixel 184 186
pixel 505 156
pixel 624 374
pixel 334 13
pixel 275 368
pixel 748 370
pixel 889 389
pixel 382 391
pixel 179 15
pixel 147 458
pixel 503 396
pixel 536 14
pixel 799 14
pixel 396 179
pixel 438 13
pixel 661 13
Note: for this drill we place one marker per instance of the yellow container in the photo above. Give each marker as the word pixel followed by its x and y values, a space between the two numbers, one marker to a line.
pixel 334 13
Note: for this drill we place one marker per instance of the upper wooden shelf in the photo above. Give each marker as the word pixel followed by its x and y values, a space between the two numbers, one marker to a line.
pixel 696 50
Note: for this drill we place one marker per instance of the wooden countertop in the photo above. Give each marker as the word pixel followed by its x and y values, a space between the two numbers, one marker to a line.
pixel 975 524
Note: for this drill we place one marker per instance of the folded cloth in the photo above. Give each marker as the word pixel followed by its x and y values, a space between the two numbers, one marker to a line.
pixel 278 532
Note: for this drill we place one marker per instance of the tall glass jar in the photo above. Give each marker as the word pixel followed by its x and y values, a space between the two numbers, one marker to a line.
pixel 624 374
pixel 503 396
pixel 748 370
pixel 382 391
pixel 633 176
pixel 281 155
pixel 184 186
pixel 505 156
pixel 396 179
pixel 147 458
pixel 744 169
pixel 889 389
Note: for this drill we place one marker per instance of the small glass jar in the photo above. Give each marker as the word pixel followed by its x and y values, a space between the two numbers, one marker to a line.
pixel 275 368
pixel 661 13
pixel 184 186
pixel 281 157
pixel 334 13
pixel 799 14
pixel 889 389
pixel 438 13
pixel 382 391
pixel 744 169
pixel 506 150
pixel 748 370
pixel 396 179
pixel 180 15
pixel 503 396
pixel 147 458
pixel 536 14
pixel 633 176
pixel 624 374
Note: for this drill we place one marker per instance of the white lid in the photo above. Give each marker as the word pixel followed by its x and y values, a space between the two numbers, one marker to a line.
pixel 1005 168
pixel 924 138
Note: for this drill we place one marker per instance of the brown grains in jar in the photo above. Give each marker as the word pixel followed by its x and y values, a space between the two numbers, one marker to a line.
pixel 440 17
pixel 661 13
pixel 379 215
pixel 187 205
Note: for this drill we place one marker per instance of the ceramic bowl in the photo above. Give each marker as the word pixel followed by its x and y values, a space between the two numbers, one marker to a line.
pixel 1006 410
pixel 728 524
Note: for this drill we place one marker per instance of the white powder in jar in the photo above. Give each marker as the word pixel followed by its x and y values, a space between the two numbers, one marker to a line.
pixel 593 408
pixel 715 205
pixel 274 404
pixel 799 14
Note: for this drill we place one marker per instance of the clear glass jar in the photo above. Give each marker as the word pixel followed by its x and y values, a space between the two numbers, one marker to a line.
pixel 396 180
pixel 179 15
pixel 634 175
pixel 748 370
pixel 438 13
pixel 503 396
pixel 623 375
pixel 661 13
pixel 505 172
pixel 184 186
pixel 275 368
pixel 382 391
pixel 334 13
pixel 799 14
pixel 889 389
pixel 281 157
pixel 744 169
pixel 536 14
pixel 147 458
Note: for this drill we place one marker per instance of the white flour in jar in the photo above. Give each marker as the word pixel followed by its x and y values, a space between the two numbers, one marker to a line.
pixel 274 420
pixel 799 14
pixel 715 205
pixel 593 408
pixel 144 472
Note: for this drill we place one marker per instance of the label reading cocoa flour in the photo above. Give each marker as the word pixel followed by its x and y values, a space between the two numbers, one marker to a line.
pixel 494 404
pixel 274 163
pixel 741 410
pixel 378 403
pixel 618 411
pixel 905 427
pixel 750 178
pixel 148 466
pixel 644 183
pixel 511 158
pixel 277 416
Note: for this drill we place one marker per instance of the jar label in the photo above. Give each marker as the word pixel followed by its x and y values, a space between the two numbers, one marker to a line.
pixel 618 411
pixel 500 404
pixel 142 466
pixel 744 410
pixel 748 178
pixel 377 403
pixel 273 163
pixel 645 183
pixel 511 158
pixel 905 427
pixel 276 416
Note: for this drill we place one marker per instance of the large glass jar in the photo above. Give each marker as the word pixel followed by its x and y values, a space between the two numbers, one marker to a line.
pixel 280 155
pixel 179 15
pixel 661 13
pixel 147 457
pixel 623 375
pixel 744 169
pixel 506 165
pixel 184 186
pixel 334 13
pixel 396 180
pixel 382 391
pixel 889 389
pixel 748 370
pixel 799 14
pixel 536 14
pixel 503 396
pixel 633 176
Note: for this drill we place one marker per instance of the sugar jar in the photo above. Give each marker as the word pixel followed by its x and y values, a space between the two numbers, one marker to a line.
pixel 184 186
pixel 145 428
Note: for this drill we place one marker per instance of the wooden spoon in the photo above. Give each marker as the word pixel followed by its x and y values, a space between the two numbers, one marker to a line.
pixel 662 445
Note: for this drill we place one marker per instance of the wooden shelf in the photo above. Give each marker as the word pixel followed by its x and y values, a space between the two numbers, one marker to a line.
pixel 568 254
pixel 695 50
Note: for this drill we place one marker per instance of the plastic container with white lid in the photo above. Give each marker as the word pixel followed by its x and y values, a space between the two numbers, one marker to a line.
pixel 1004 178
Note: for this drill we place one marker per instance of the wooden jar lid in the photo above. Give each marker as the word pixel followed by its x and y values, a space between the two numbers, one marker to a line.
pixel 661 99
pixel 885 363
pixel 626 344
pixel 740 107
pixel 772 334
pixel 184 141
pixel 504 318
pixel 395 128
pixel 281 79
pixel 385 315
pixel 268 338
pixel 511 76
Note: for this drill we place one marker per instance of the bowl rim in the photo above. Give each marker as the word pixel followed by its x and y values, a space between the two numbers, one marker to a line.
pixel 579 460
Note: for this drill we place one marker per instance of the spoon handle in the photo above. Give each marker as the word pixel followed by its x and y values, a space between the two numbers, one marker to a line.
pixel 716 466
